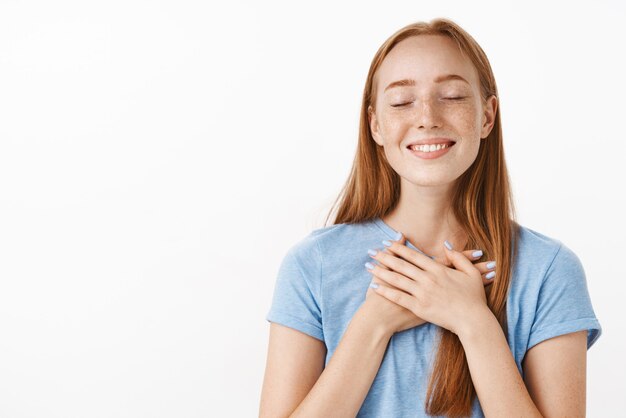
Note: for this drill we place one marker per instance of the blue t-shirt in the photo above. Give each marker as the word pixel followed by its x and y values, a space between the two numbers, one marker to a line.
pixel 322 282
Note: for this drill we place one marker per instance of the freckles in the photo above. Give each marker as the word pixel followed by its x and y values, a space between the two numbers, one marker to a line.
pixel 468 119
pixel 392 125
pixel 467 115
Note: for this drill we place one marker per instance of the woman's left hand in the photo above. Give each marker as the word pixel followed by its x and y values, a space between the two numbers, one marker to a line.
pixel 436 293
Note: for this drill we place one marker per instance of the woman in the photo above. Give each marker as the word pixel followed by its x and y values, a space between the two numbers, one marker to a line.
pixel 427 208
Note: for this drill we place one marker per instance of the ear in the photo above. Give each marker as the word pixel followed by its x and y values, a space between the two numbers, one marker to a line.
pixel 373 122
pixel 489 115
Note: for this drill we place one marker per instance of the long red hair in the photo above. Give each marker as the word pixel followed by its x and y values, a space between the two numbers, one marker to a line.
pixel 482 203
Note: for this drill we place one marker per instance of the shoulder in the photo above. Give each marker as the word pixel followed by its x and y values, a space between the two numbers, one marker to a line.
pixel 324 247
pixel 305 261
pixel 332 237
pixel 534 243
pixel 549 290
pixel 544 257
pixel 539 250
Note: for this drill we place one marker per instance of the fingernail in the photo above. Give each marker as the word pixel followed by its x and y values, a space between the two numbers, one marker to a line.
pixel 372 252
pixel 490 275
pixel 447 244
pixel 477 254
pixel 491 265
pixel 398 236
pixel 374 285
pixel 369 265
pixel 386 243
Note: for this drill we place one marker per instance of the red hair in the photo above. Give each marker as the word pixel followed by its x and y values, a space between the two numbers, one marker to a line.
pixel 482 202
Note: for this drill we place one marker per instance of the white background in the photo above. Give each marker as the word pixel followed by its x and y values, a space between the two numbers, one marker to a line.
pixel 158 158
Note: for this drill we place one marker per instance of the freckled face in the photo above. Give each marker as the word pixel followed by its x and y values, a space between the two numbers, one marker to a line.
pixel 428 109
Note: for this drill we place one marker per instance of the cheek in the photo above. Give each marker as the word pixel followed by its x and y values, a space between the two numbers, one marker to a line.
pixel 392 126
pixel 468 120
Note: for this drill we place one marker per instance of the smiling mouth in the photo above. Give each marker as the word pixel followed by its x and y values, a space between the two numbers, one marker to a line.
pixel 427 154
pixel 425 149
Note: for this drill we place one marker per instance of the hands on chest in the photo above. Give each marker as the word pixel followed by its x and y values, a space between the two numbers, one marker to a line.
pixel 413 288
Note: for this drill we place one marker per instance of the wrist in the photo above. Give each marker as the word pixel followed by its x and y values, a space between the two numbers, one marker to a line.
pixel 475 323
pixel 375 327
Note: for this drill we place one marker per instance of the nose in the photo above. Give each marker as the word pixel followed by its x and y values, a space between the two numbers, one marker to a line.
pixel 427 114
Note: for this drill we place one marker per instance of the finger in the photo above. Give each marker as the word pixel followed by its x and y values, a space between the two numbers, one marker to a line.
pixel 377 281
pixel 382 266
pixel 473 254
pixel 444 261
pixel 399 238
pixel 394 279
pixel 485 266
pixel 469 254
pixel 416 258
pixel 396 296
pixel 391 262
pixel 486 269
pixel 410 245
pixel 488 277
pixel 460 261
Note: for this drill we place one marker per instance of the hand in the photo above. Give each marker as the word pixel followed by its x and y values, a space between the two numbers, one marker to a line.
pixel 431 291
pixel 391 315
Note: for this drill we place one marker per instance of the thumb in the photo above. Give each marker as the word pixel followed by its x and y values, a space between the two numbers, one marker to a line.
pixel 459 260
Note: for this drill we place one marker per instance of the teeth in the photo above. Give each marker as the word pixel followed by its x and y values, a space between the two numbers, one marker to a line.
pixel 429 148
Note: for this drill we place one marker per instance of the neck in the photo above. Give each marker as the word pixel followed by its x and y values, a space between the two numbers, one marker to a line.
pixel 424 215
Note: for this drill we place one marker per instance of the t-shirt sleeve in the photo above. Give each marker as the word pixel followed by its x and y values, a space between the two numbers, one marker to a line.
pixel 296 302
pixel 564 304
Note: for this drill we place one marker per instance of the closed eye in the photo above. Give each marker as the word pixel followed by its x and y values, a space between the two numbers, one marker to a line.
pixel 445 98
pixel 401 104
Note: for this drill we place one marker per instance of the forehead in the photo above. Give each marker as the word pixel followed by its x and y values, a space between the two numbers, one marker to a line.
pixel 423 58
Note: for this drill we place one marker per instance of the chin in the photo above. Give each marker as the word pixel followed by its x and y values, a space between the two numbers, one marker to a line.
pixel 431 182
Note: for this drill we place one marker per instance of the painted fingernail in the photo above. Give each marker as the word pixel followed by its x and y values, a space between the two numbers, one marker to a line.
pixel 397 236
pixel 447 244
pixel 372 252
pixel 490 275
pixel 386 243
pixel 374 285
pixel 369 265
pixel 491 265
pixel 477 254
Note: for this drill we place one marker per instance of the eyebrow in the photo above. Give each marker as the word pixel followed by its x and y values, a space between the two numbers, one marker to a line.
pixel 409 82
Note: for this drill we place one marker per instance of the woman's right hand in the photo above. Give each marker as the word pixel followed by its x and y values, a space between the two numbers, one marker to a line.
pixel 390 316
pixel 395 318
